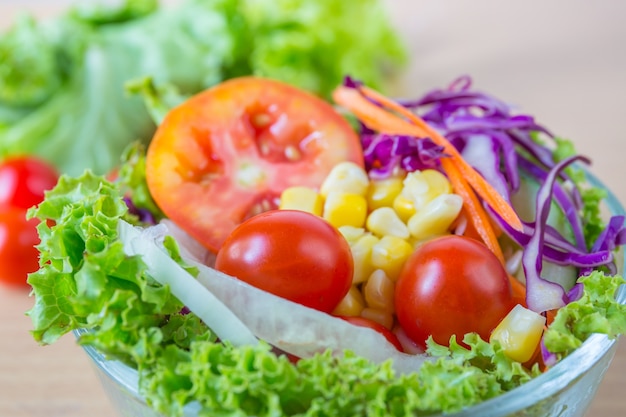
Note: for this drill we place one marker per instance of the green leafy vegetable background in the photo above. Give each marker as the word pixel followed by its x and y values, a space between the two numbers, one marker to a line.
pixel 62 81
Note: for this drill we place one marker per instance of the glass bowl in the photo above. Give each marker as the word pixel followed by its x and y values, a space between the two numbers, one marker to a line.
pixel 566 390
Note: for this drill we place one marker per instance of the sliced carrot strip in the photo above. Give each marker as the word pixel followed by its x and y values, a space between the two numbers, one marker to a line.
pixel 482 187
pixel 372 116
pixel 394 118
pixel 550 316
pixel 519 291
pixel 475 212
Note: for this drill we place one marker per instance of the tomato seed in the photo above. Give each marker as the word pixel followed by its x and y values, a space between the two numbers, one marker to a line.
pixel 292 153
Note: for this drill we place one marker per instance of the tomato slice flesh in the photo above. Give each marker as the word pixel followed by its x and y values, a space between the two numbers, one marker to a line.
pixel 227 153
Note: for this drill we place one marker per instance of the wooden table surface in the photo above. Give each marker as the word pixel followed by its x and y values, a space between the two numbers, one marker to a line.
pixel 563 62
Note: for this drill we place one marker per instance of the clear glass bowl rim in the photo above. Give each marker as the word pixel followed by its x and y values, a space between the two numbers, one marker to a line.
pixel 544 386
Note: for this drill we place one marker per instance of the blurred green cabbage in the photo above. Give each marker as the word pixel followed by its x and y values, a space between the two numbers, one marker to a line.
pixel 62 81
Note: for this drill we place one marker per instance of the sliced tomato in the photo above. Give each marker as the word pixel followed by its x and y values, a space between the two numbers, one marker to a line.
pixel 228 152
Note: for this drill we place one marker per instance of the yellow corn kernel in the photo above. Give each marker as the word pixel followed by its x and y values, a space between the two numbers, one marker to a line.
pixel 519 333
pixel 351 305
pixel 421 187
pixel 379 316
pixel 416 243
pixel 303 199
pixel 382 193
pixel 389 254
pixel 345 209
pixel 362 257
pixel 351 233
pixel 384 221
pixel 346 177
pixel 436 218
pixel 403 207
pixel 378 291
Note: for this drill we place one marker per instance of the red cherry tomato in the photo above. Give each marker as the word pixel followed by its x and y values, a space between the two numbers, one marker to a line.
pixel 452 285
pixel 363 322
pixel 23 180
pixel 228 153
pixel 292 254
pixel 18 255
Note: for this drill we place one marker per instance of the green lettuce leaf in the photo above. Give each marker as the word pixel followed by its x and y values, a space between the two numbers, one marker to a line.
pixel 132 180
pixel 596 311
pixel 158 99
pixel 251 380
pixel 85 280
pixel 314 44
pixel 592 221
pixel 100 12
pixel 31 66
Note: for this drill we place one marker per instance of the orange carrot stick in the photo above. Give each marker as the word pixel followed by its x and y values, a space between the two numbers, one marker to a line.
pixel 519 291
pixel 396 119
pixel 475 212
pixel 482 187
pixel 372 116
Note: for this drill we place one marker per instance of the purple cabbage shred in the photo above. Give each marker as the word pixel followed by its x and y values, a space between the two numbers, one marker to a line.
pixel 541 294
pixel 384 154
pixel 145 216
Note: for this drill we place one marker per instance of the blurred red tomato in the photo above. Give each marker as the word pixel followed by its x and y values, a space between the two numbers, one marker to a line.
pixel 23 180
pixel 18 255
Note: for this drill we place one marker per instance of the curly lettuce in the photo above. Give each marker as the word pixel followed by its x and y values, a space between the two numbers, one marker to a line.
pixel 595 312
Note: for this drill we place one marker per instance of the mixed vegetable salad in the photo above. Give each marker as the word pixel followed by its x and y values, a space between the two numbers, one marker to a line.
pixel 269 253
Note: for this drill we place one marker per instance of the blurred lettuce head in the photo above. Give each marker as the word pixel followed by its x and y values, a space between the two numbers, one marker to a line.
pixel 62 81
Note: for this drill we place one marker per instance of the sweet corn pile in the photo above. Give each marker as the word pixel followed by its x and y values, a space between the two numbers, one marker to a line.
pixel 382 220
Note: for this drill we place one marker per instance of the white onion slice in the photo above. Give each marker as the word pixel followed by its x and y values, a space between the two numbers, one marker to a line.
pixel 189 247
pixel 300 330
pixel 185 287
pixel 288 326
